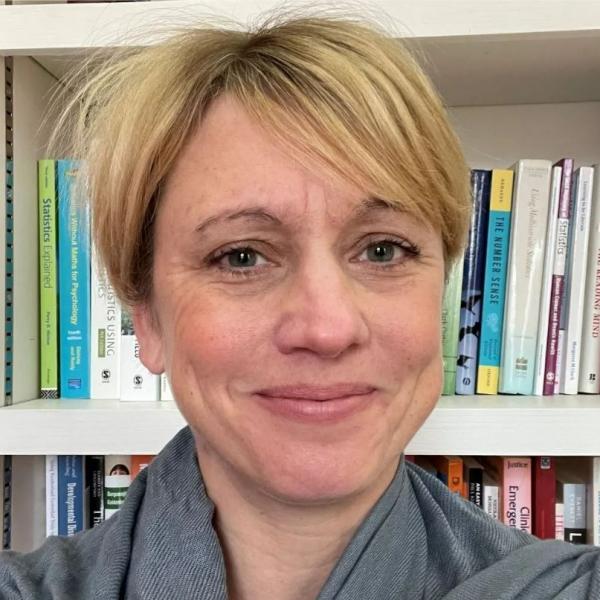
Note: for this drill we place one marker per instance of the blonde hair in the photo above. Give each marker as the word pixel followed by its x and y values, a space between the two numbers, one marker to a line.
pixel 335 91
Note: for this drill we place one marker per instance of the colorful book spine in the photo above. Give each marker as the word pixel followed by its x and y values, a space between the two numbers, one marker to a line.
pixel 48 279
pixel 94 484
pixel 546 296
pixel 524 275
pixel 575 283
pixel 117 479
pixel 74 284
pixel 595 502
pixel 494 287
pixel 51 495
pixel 137 382
pixel 544 497
pixel 139 462
pixel 449 469
pixel 574 498
pixel 71 495
pixel 472 284
pixel 106 336
pixel 516 488
pixel 589 369
pixel 450 322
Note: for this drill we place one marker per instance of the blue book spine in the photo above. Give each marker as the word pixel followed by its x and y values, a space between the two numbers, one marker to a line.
pixel 472 288
pixel 71 495
pixel 74 284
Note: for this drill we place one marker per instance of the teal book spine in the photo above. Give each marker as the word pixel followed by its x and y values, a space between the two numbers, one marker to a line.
pixel 74 284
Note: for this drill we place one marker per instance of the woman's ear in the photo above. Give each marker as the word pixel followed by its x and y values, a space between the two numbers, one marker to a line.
pixel 149 338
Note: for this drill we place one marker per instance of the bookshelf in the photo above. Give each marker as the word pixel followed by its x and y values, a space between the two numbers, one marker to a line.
pixel 521 80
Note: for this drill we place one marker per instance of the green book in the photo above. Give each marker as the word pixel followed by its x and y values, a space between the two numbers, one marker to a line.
pixel 450 325
pixel 48 287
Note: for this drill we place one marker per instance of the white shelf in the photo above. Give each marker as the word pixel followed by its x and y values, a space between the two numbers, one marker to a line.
pixel 478 53
pixel 467 425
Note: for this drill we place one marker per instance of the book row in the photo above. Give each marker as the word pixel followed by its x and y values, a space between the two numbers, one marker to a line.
pixel 88 348
pixel 552 498
pixel 521 312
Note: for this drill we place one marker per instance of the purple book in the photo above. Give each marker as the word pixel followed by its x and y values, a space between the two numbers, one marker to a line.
pixel 558 274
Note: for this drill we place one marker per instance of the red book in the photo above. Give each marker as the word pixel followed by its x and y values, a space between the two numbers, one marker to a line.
pixel 544 497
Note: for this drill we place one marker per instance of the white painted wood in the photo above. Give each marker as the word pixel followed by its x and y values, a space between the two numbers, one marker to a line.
pixel 50 28
pixel 464 425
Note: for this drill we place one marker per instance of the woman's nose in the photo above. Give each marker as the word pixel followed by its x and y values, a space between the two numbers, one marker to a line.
pixel 321 312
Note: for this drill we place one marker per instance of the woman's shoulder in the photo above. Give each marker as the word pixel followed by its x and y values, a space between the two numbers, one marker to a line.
pixel 480 557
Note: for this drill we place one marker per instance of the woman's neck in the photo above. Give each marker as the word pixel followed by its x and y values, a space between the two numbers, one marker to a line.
pixel 275 550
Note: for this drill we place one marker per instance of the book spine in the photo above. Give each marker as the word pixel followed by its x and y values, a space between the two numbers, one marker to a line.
pixel 544 497
pixel 139 462
pixel 525 270
pixel 595 525
pixel 117 478
pixel 589 370
pixel 575 284
pixel 554 337
pixel 51 495
pixel 574 497
pixel 472 285
pixel 48 279
pixel 559 511
pixel 494 287
pixel 137 382
pixel 71 494
pixel 491 500
pixel 166 393
pixel 517 493
pixel 450 322
pixel 94 480
pixel 106 336
pixel 74 285
pixel 546 296
pixel 476 486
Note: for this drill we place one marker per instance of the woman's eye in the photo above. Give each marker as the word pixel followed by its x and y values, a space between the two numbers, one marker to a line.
pixel 387 251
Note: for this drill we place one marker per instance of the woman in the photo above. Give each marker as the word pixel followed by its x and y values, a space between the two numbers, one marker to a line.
pixel 279 209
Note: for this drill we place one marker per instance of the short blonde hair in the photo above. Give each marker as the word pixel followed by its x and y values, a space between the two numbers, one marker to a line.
pixel 334 90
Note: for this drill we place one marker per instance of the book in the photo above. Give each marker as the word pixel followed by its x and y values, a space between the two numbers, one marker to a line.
pixel 74 284
pixel 558 273
pixel 449 469
pixel 516 487
pixel 117 478
pixel 71 495
pixel 474 478
pixel 494 286
pixel 589 367
pixel 137 382
pixel 491 496
pixel 544 497
pixel 140 462
pixel 472 284
pixel 594 521
pixel 166 393
pixel 51 495
pixel 47 211
pixel 546 295
pixel 94 486
pixel 574 499
pixel 524 275
pixel 105 335
pixel 575 282
pixel 559 511
pixel 450 323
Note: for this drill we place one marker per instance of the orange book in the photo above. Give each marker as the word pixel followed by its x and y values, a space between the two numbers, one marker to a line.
pixel 139 462
pixel 450 471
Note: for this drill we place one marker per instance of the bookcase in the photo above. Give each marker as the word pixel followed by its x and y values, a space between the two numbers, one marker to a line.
pixel 521 80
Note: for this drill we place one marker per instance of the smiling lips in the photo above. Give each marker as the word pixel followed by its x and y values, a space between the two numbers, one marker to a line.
pixel 317 393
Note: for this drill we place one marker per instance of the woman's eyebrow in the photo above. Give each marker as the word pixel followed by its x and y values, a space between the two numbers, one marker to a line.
pixel 251 213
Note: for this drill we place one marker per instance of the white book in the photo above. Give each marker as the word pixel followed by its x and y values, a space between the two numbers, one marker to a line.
pixel 589 367
pixel 51 495
pixel 529 221
pixel 553 218
pixel 137 382
pixel 105 338
pixel 575 285
pixel 595 503
pixel 117 478
pixel 491 500
pixel 166 393
pixel 559 516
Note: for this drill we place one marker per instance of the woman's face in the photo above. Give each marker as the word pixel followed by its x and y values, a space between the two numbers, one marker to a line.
pixel 298 320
